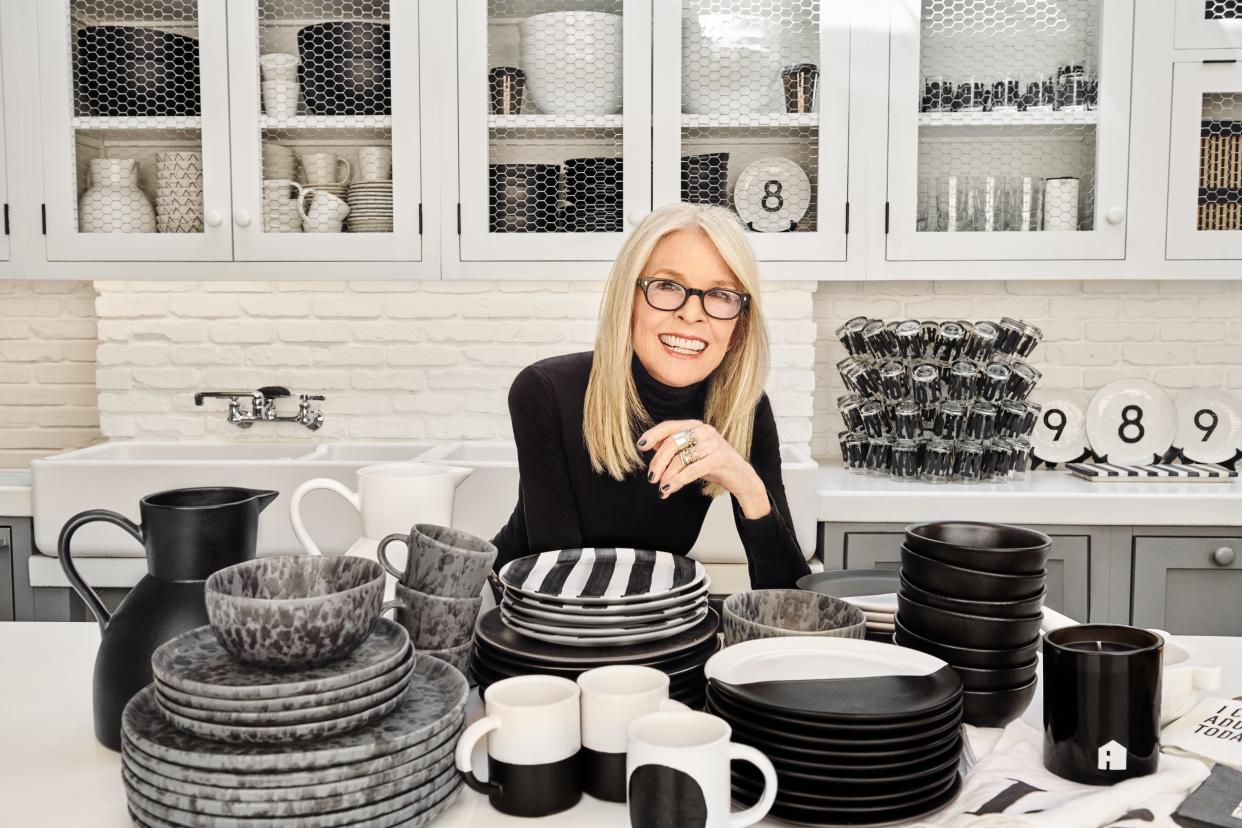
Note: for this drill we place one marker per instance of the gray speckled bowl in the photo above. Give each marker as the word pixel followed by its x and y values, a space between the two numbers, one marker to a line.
pixel 770 613
pixel 294 610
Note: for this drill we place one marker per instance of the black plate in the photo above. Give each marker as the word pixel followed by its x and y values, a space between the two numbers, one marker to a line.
pixel 848 583
pixel 972 584
pixel 877 698
pixel 960 630
pixel 869 732
pixel 992 609
pixel 860 766
pixel 997 708
pixel 491 630
pixel 678 662
pixel 966 656
pixel 840 785
pixel 858 817
pixel 689 681
pixel 1005 678
pixel 991 547
pixel 676 670
pixel 746 778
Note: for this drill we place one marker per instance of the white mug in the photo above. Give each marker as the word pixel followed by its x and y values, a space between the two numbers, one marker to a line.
pixel 612 697
pixel 326 213
pixel 1061 203
pixel 677 772
pixel 276 66
pixel 533 736
pixel 278 162
pixel 280 97
pixel 321 168
pixel 280 208
pixel 374 164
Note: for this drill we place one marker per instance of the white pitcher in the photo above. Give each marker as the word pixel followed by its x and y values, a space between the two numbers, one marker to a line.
pixel 391 497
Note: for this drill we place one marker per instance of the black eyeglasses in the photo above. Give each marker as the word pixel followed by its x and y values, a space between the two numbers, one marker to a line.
pixel 718 303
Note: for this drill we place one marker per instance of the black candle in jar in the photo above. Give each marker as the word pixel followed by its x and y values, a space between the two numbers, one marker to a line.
pixel 950 420
pixel 994 381
pixel 879 455
pixel 968 461
pixel 907 419
pixel 874 421
pixel 879 339
pixel 909 336
pixel 963 380
pixel 849 405
pixel 950 340
pixel 981 341
pixel 1021 381
pixel 904 464
pixel 925 384
pixel 894 380
pixel 981 421
pixel 938 461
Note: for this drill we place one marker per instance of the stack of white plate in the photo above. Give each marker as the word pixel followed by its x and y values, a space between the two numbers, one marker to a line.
pixel 603 597
pixel 874 591
pixel 370 207
pixel 179 192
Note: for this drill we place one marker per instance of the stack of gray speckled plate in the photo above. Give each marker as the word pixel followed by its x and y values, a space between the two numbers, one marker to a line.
pixel 217 742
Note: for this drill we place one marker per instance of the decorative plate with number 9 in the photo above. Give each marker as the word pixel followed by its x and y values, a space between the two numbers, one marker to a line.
pixel 1060 434
pixel 1209 425
pixel 1130 421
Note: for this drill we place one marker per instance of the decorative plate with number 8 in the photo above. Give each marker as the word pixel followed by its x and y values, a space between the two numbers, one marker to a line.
pixel 1209 425
pixel 772 194
pixel 1131 421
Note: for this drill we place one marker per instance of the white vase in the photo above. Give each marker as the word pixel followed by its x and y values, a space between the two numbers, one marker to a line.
pixel 113 203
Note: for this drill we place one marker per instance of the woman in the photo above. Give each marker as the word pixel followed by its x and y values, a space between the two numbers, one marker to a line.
pixel 627 445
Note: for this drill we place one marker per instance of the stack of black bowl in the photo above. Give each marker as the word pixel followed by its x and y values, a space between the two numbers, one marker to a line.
pixel 972 594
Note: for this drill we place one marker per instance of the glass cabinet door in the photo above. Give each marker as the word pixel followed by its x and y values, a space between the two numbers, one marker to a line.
pixel 136 132
pixel 326 130
pixel 1205 162
pixel 555 118
pixel 751 109
pixel 6 120
pixel 1008 133
pixel 1208 24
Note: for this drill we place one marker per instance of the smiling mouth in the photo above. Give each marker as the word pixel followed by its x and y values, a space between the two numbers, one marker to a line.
pixel 682 346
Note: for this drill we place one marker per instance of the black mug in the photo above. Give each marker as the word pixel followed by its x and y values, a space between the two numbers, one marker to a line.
pixel 1101 702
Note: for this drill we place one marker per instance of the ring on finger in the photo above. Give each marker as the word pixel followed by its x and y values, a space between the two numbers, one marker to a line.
pixel 684 439
pixel 688 455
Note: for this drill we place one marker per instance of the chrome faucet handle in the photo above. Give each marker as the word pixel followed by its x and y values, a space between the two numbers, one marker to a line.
pixel 274 392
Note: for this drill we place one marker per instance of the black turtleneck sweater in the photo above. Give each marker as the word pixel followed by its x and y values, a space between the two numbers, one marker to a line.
pixel 564 504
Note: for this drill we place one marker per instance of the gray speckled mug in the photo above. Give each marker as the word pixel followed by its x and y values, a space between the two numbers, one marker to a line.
pixel 435 622
pixel 441 561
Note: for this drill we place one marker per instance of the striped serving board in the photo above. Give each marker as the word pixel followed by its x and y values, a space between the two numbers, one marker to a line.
pixel 1152 473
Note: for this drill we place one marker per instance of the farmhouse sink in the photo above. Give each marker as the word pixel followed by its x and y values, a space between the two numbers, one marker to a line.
pixel 117 475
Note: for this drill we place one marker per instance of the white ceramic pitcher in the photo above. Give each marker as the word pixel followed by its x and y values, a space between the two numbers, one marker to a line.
pixel 391 497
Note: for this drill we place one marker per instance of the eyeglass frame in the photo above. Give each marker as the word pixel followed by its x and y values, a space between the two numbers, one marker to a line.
pixel 644 282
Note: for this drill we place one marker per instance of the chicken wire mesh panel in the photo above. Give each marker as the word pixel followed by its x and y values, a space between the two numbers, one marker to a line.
pixel 1222 9
pixel 325 80
pixel 1008 115
pixel 555 102
pixel 750 103
pixel 1220 163
pixel 136 116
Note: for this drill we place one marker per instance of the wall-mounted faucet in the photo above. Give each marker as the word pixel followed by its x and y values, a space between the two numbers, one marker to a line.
pixel 263 406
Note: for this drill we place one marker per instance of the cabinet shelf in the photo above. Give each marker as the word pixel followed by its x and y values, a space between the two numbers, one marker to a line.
pixel 554 123
pixel 777 119
pixel 324 122
pixel 136 123
pixel 1089 117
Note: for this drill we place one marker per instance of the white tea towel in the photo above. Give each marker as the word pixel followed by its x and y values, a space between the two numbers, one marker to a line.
pixel 1009 786
pixel 1212 730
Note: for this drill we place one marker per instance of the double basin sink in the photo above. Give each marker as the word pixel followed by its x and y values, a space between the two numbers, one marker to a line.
pixel 117 475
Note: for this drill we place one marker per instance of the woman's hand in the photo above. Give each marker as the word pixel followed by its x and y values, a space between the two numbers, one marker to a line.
pixel 718 463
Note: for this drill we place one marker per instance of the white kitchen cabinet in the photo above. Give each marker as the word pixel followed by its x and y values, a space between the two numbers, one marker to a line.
pixel 1205 162
pixel 1008 130
pixel 126 99
pixel 1208 24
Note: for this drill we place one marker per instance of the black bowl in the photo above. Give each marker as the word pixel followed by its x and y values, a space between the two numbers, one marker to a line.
pixel 966 656
pixel 522 198
pixel 962 630
pixel 133 70
pixel 704 177
pixel 346 68
pixel 997 708
pixel 989 547
pixel 971 584
pixel 992 609
pixel 1005 678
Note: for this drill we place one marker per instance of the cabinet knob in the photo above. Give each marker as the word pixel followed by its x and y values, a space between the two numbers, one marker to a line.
pixel 1223 556
pixel 636 216
pixel 241 218
pixel 213 218
pixel 1116 215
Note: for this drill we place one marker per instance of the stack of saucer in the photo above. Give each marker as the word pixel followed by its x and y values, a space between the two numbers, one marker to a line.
pixel 370 207
pixel 871 590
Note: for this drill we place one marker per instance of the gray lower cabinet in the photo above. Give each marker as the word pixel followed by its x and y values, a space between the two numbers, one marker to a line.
pixel 6 574
pixel 1078 566
pixel 1188 585
pixel 16 546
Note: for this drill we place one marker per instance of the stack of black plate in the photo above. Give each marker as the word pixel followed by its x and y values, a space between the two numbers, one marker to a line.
pixel 500 652
pixel 972 594
pixel 859 732
pixel 874 591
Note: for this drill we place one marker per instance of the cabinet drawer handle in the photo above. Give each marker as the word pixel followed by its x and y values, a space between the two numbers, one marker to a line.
pixel 1223 556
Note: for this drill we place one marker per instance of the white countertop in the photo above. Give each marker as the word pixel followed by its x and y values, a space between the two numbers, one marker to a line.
pixel 15 494
pixel 1043 497
pixel 54 773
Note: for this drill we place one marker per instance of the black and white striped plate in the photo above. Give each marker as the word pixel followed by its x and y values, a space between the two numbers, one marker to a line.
pixel 1153 472
pixel 523 608
pixel 602 576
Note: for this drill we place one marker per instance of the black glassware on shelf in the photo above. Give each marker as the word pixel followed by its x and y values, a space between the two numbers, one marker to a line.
pixel 507 85
pixel 346 68
pixel 130 70
pixel 188 534
pixel 800 82
pixel 704 178
pixel 523 198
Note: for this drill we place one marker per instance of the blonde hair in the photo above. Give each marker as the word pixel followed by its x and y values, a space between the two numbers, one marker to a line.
pixel 613 414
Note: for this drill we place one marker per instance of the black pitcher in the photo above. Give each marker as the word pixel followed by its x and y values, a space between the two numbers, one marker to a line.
pixel 188 534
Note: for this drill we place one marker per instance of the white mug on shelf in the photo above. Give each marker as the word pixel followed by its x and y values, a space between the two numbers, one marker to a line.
pixel 277 66
pixel 280 97
pixel 320 168
pixel 326 213
pixel 280 207
pixel 374 164
pixel 1061 203
pixel 278 161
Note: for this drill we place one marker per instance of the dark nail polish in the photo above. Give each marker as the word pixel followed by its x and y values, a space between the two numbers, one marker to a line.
pixel 664 488
pixel 642 443
pixel 650 477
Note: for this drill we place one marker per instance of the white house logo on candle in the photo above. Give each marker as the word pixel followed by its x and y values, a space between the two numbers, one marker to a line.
pixel 1112 756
